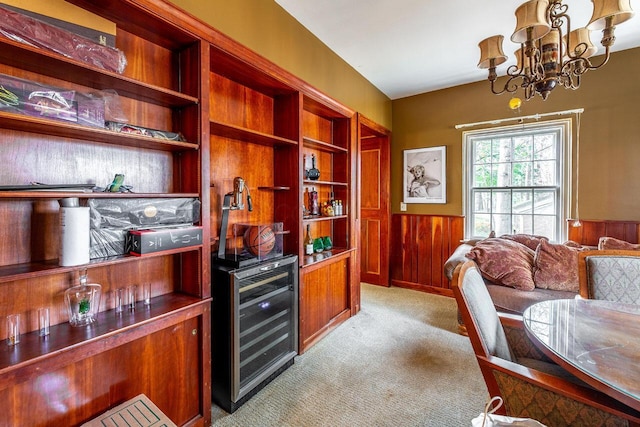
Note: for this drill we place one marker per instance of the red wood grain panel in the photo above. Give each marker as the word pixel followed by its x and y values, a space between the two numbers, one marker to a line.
pixel 420 248
pixel 590 231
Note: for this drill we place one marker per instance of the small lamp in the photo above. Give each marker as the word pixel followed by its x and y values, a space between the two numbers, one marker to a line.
pixel 580 44
pixel 491 54
pixel 531 21
pixel 618 11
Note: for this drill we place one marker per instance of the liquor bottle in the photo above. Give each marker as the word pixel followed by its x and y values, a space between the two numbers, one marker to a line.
pixel 332 203
pixel 308 242
pixel 304 164
pixel 314 206
pixel 313 173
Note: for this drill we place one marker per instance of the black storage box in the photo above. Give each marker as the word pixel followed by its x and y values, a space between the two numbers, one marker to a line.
pixel 112 219
pixel 140 242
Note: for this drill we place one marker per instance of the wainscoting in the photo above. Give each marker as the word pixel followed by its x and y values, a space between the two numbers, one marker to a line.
pixel 591 230
pixel 420 245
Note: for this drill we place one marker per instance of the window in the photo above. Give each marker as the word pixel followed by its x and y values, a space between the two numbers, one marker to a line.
pixel 517 179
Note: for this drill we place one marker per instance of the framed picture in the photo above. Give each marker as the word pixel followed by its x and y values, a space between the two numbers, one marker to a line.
pixel 425 179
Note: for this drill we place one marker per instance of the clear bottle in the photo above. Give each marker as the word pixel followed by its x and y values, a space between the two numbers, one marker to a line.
pixel 83 301
pixel 308 242
pixel 332 203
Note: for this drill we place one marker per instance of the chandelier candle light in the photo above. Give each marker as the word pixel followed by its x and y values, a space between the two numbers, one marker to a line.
pixel 548 57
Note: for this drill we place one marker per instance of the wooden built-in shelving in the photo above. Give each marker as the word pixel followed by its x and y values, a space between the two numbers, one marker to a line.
pixel 248 135
pixel 68 344
pixel 323 146
pixel 34 270
pixel 162 87
pixel 49 127
pixel 50 64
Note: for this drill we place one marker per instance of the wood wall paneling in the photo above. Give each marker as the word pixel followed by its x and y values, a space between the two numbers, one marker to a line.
pixel 420 248
pixel 590 231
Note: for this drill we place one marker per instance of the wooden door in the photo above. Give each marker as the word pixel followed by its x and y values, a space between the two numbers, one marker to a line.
pixel 375 176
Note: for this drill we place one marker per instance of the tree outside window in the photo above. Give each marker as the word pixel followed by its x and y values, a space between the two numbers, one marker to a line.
pixel 515 180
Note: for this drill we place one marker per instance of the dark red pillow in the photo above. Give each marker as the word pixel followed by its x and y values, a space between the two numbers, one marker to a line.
pixel 504 262
pixel 529 240
pixel 613 243
pixel 555 267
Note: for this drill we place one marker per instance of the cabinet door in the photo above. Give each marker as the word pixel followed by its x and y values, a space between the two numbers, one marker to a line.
pixel 324 301
pixel 72 394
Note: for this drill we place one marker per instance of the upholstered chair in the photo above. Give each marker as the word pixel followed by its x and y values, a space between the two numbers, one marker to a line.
pixel 530 384
pixel 612 275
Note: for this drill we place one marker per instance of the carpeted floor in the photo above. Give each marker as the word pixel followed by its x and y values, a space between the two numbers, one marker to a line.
pixel 399 362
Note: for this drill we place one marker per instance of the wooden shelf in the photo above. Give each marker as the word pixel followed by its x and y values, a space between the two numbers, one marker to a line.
pixel 151 22
pixel 274 188
pixel 248 135
pixel 323 146
pixel 68 343
pixel 324 218
pixel 324 257
pixel 318 182
pixel 53 65
pixel 49 127
pixel 89 195
pixel 9 273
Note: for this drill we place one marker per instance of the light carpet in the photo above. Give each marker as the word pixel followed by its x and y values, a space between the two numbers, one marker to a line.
pixel 399 362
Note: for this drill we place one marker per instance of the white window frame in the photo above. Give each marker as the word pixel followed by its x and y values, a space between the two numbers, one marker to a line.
pixel 564 127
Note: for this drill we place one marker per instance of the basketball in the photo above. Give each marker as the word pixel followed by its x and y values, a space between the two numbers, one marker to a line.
pixel 259 240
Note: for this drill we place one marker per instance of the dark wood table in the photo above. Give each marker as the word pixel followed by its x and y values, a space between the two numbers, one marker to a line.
pixel 597 341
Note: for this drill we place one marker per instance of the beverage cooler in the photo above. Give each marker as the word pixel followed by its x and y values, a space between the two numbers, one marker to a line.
pixel 254 327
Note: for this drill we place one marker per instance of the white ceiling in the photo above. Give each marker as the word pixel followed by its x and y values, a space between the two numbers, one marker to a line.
pixel 407 47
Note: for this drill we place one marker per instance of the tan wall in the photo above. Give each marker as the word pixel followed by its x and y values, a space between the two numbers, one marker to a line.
pixel 266 28
pixel 609 144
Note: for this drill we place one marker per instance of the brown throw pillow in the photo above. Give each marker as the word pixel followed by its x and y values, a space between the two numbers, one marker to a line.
pixel 504 262
pixel 556 267
pixel 613 243
pixel 529 240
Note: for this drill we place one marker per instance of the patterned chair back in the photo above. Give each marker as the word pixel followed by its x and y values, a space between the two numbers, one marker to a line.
pixel 611 275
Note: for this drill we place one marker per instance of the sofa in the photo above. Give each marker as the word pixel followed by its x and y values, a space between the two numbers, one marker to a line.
pixel 508 298
pixel 522 269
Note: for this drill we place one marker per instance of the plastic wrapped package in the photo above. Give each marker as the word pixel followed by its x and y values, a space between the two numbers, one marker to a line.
pixel 112 219
pixel 31 31
pixel 139 130
pixel 106 242
pixel 26 97
pixel 137 213
pixel 113 111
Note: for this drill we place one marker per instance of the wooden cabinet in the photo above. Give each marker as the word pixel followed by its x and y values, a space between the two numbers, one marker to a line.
pixel 76 373
pixel 326 136
pixel 241 116
pixel 254 135
pixel 324 299
pixel 330 285
pixel 264 124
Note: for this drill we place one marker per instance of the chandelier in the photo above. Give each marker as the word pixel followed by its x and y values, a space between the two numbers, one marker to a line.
pixel 550 56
